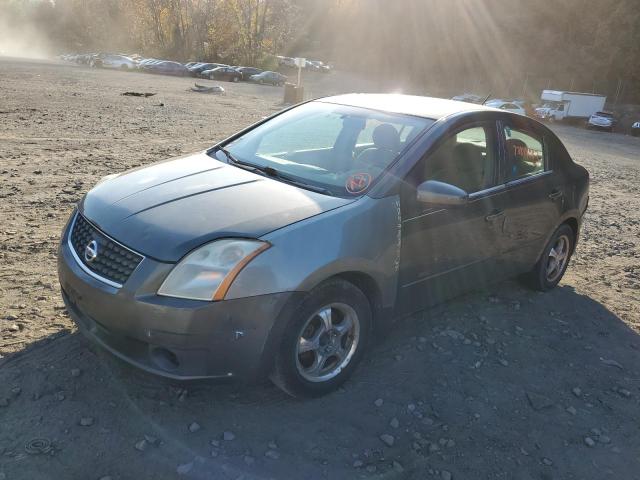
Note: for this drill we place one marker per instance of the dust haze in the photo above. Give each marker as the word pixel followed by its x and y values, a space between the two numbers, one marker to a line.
pixel 22 39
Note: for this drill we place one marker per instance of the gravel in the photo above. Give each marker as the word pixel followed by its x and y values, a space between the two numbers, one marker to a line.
pixel 185 468
pixel 272 454
pixel 387 439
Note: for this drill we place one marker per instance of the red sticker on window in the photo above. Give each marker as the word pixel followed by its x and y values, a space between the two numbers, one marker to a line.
pixel 358 182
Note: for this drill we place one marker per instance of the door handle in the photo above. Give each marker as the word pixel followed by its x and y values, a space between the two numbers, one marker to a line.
pixel 555 195
pixel 496 214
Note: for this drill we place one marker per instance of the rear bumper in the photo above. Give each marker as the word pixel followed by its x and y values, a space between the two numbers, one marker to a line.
pixel 175 338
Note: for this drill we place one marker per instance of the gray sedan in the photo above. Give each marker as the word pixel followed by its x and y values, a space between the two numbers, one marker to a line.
pixel 282 250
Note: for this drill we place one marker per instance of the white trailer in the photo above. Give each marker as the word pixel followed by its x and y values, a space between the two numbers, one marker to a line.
pixel 560 105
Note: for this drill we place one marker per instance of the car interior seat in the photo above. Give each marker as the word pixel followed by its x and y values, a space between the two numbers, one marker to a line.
pixel 469 163
pixel 386 141
pixel 462 165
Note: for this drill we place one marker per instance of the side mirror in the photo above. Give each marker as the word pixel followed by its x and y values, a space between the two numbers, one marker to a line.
pixel 440 193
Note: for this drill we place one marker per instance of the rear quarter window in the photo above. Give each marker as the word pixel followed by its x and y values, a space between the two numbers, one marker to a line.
pixel 525 153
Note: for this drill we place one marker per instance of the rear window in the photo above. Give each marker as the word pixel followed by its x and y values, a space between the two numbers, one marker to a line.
pixel 525 153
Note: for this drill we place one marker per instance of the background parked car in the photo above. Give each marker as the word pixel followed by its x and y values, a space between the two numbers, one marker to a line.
pixel 166 67
pixel 508 106
pixel 105 60
pixel 319 66
pixel 635 129
pixel 246 72
pixel 604 120
pixel 286 61
pixel 84 59
pixel 268 77
pixel 147 61
pixel 196 70
pixel 223 73
pixel 468 97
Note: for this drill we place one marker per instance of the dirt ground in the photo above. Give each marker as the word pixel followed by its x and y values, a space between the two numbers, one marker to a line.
pixel 504 384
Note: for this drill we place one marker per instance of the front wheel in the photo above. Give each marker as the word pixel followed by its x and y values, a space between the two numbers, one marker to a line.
pixel 324 340
pixel 553 262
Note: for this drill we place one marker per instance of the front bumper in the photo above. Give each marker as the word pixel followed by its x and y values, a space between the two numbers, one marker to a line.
pixel 175 338
pixel 605 126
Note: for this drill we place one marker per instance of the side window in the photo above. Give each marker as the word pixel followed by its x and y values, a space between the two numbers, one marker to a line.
pixel 525 153
pixel 466 160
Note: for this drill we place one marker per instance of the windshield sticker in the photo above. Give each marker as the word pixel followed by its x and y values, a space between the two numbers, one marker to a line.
pixel 358 182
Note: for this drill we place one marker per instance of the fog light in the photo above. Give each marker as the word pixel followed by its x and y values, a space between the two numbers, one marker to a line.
pixel 164 358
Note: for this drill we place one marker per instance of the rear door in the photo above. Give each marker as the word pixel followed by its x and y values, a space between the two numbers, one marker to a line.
pixel 535 193
pixel 449 249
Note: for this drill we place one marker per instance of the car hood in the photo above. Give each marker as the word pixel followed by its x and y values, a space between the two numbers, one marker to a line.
pixel 166 210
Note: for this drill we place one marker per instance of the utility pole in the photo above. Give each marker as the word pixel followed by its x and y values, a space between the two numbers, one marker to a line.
pixel 524 86
pixel 618 90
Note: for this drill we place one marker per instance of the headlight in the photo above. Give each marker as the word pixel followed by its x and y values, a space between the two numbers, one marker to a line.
pixel 207 273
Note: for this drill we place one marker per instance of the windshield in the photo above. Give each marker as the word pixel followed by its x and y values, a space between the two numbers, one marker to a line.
pixel 336 148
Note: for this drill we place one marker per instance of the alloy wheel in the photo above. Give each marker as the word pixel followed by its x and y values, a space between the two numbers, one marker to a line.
pixel 327 342
pixel 557 259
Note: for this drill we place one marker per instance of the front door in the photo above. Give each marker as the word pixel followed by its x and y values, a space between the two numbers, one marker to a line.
pixel 450 249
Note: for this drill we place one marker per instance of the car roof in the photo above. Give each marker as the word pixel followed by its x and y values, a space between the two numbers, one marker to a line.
pixel 427 107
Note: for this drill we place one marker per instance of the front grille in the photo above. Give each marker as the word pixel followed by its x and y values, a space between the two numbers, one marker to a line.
pixel 112 261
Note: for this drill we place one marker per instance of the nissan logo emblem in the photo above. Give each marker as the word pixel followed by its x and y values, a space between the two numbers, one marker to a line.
pixel 91 251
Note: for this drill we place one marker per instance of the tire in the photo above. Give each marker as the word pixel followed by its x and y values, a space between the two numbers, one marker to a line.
pixel 124 67
pixel 234 79
pixel 330 356
pixel 261 82
pixel 540 277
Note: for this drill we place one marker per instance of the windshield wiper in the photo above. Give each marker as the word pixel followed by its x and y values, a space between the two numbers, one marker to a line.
pixel 272 172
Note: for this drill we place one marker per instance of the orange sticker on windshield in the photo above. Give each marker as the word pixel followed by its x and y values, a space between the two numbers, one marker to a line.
pixel 358 182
